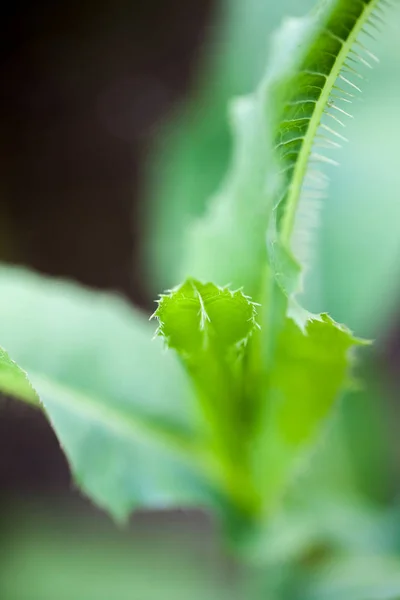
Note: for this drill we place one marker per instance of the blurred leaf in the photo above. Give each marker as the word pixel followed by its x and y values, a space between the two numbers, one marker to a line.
pixel 353 459
pixel 121 407
pixel 369 578
pixel 227 245
pixel 49 552
pixel 355 259
pixel 359 238
pixel 324 522
pixel 192 152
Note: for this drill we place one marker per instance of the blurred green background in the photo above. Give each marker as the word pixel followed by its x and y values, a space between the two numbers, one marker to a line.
pixel 114 134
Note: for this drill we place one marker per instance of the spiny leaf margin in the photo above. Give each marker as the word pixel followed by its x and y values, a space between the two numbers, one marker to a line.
pixel 274 134
pixel 317 79
pixel 195 314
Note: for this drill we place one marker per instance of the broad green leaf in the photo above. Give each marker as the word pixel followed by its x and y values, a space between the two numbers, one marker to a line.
pixel 121 407
pixel 94 342
pixel 314 363
pixel 310 369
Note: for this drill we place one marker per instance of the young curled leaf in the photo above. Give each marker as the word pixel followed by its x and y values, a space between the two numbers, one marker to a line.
pixel 195 315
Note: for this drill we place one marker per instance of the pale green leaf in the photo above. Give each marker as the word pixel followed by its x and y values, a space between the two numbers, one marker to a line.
pixel 228 245
pixel 360 578
pixel 191 153
pixel 121 407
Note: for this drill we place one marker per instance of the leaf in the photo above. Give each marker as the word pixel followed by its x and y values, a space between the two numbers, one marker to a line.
pixel 356 282
pixel 122 408
pixel 314 362
pixel 360 300
pixel 361 578
pixel 196 315
pixel 327 44
pixel 210 328
pixel 13 380
pixel 249 236
pixel 275 133
pixel 191 153
pixel 310 369
pixel 305 523
pixel 130 428
pixel 360 285
pixel 228 245
pixel 48 547
pixel 207 326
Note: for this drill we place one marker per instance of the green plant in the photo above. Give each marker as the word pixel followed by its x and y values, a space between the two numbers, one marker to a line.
pixel 227 417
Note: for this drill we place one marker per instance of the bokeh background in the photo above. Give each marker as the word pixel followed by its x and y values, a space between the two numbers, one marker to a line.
pixel 113 134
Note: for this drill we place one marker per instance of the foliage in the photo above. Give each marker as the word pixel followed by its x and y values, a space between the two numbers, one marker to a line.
pixel 229 416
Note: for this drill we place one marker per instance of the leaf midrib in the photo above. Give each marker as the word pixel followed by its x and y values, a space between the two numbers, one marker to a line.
pixel 139 429
pixel 306 148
